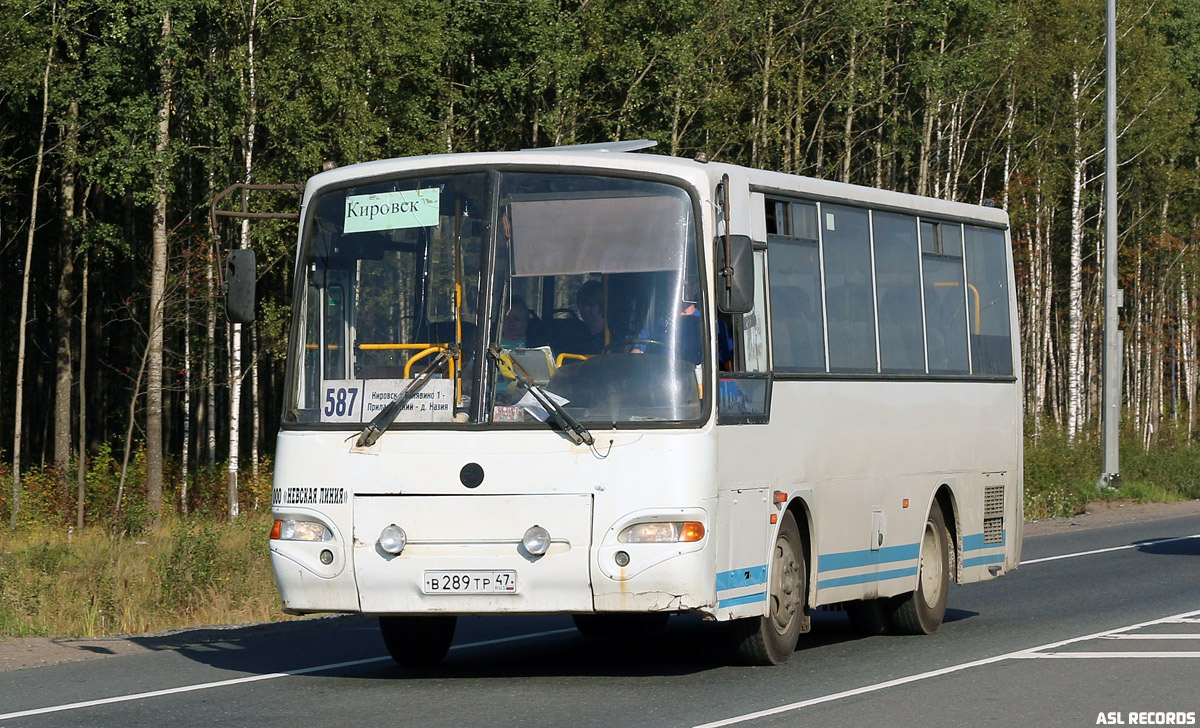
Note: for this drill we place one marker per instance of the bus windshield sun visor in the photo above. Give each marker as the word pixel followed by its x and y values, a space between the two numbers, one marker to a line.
pixel 387 415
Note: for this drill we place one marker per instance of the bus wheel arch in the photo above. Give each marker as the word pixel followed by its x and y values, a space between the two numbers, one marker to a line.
pixel 945 500
pixel 771 638
pixel 803 516
pixel 922 610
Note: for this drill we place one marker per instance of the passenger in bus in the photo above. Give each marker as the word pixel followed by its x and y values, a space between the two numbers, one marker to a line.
pixel 589 300
pixel 515 328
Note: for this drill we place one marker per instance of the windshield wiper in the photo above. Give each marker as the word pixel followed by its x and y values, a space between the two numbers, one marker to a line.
pixel 388 414
pixel 576 431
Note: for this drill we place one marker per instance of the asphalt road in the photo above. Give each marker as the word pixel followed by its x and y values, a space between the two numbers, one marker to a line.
pixel 1110 631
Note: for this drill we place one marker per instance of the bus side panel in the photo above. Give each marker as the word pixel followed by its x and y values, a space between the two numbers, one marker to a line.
pixel 874 454
pixel 743 531
pixel 309 487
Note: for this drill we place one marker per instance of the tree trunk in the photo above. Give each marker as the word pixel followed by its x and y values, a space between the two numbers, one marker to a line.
pixel 1075 383
pixel 186 454
pixel 21 335
pixel 62 311
pixel 137 389
pixel 255 403
pixel 235 354
pixel 210 357
pixel 81 467
pixel 848 123
pixel 158 284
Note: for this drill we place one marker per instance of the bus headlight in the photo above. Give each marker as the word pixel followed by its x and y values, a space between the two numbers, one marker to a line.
pixel 393 539
pixel 671 532
pixel 536 540
pixel 292 530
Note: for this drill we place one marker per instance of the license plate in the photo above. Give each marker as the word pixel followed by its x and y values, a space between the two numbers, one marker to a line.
pixel 470 582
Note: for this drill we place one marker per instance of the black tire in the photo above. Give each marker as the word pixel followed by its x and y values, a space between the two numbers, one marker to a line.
pixel 770 640
pixel 869 617
pixel 621 625
pixel 417 641
pixel 922 611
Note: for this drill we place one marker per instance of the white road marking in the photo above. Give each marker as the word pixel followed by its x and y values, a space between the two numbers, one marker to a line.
pixel 1137 544
pixel 1104 655
pixel 250 679
pixel 1019 654
pixel 1153 637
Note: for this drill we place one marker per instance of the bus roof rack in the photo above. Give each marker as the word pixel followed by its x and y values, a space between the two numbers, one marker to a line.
pixel 633 145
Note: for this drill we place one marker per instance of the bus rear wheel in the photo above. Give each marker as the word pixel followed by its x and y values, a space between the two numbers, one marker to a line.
pixel 771 639
pixel 922 611
pixel 417 641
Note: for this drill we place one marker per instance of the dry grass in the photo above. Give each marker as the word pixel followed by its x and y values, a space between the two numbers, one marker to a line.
pixel 184 573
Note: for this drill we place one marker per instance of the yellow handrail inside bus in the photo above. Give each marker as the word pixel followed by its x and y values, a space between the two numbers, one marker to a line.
pixel 564 356
pixel 423 350
pixel 975 292
pixel 433 349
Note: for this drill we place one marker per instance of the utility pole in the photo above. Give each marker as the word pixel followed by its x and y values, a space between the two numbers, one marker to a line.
pixel 1110 414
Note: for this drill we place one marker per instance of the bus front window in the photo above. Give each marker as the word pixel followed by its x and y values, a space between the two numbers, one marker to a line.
pixel 600 275
pixel 391 277
pixel 594 289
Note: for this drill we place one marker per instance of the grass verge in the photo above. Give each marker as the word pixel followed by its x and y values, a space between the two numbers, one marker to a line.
pixel 55 582
pixel 1061 477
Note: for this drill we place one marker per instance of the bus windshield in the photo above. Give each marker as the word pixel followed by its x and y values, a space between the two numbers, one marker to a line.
pixel 589 283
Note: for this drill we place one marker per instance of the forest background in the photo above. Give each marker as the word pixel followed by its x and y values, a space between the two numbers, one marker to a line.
pixel 121 119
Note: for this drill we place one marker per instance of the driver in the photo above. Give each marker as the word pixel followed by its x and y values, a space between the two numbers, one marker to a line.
pixel 690 335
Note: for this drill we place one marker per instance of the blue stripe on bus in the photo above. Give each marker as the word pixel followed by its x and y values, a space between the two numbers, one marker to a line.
pixel 974 542
pixel 864 578
pixel 855 559
pixel 747 599
pixel 981 560
pixel 741 577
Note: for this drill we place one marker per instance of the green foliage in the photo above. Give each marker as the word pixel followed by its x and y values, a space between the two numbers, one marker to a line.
pixel 48 495
pixel 59 582
pixel 191 567
pixel 1060 477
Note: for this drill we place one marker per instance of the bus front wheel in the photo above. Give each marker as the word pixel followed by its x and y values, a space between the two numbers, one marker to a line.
pixel 771 639
pixel 417 641
pixel 922 611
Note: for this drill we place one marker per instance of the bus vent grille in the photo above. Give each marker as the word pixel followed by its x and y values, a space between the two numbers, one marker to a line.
pixel 993 514
pixel 993 530
pixel 993 501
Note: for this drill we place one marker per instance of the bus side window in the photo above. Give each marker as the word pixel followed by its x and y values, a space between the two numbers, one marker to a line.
pixel 987 301
pixel 744 395
pixel 846 242
pixel 945 298
pixel 898 287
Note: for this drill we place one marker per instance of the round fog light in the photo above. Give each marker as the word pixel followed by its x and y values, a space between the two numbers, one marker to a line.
pixel 536 540
pixel 327 557
pixel 621 558
pixel 392 539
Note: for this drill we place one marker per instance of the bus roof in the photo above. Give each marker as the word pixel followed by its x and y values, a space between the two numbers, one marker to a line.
pixel 597 157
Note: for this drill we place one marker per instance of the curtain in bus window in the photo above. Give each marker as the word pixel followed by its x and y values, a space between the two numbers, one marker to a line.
pixel 898 287
pixel 797 337
pixel 945 315
pixel 849 299
pixel 987 288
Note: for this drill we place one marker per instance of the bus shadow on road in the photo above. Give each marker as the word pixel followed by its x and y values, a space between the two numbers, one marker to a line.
pixel 489 647
pixel 1177 546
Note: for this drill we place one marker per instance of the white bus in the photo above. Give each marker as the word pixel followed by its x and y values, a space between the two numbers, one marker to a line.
pixel 620 386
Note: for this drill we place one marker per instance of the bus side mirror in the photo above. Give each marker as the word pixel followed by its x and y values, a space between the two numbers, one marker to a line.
pixel 240 274
pixel 735 276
